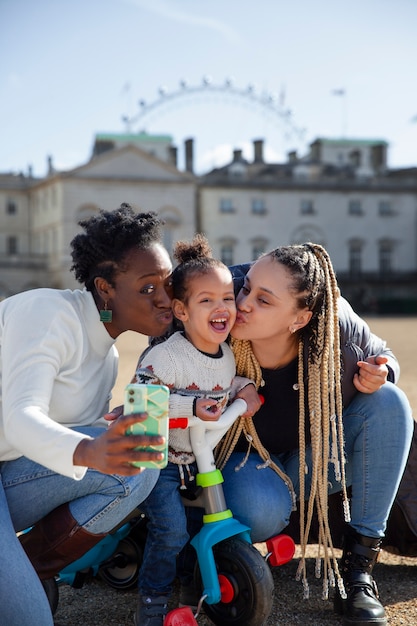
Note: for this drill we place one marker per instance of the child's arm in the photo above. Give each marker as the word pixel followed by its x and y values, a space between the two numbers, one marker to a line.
pixel 179 405
pixel 239 383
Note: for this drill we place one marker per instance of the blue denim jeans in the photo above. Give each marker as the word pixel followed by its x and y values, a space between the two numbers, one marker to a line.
pixel 98 502
pixel 377 429
pixel 22 599
pixel 167 531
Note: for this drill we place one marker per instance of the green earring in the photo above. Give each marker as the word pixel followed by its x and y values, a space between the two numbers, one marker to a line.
pixel 106 315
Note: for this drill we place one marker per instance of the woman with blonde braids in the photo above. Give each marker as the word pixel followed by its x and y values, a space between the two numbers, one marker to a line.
pixel 332 417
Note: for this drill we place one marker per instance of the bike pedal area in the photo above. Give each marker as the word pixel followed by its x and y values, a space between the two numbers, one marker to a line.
pixel 182 616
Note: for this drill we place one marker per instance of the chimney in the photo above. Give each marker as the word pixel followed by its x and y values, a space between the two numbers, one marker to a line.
pixel 379 157
pixel 50 166
pixel 189 157
pixel 173 155
pixel 258 148
pixel 292 156
pixel 237 156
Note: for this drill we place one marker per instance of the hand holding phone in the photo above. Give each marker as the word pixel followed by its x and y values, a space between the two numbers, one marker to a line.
pixel 153 400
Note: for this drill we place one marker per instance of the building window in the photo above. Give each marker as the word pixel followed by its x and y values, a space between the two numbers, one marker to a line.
pixel 307 207
pixel 258 247
pixel 236 170
pixel 85 211
pixel 385 208
pixel 227 253
pixel 258 206
pixel 172 220
pixel 308 233
pixel 11 207
pixel 355 207
pixel 11 245
pixel 168 238
pixel 385 257
pixel 226 205
pixel 355 258
pixel 355 158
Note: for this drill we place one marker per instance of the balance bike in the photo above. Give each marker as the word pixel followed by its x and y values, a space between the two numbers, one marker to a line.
pixel 235 580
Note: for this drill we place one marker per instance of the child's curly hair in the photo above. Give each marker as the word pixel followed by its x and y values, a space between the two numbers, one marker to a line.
pixel 194 259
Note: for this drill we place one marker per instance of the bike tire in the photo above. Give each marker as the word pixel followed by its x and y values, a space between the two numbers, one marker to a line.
pixel 123 570
pixel 249 583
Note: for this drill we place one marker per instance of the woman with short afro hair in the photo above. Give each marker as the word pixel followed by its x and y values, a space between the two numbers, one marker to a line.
pixel 64 472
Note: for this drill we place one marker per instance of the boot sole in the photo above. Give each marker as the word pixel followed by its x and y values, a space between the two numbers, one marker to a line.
pixel 379 621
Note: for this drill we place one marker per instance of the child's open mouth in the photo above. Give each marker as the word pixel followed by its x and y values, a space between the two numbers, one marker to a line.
pixel 219 323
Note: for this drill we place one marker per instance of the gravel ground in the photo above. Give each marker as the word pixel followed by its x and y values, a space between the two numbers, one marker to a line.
pixel 96 604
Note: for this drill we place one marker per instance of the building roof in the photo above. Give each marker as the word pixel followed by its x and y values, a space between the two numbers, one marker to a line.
pixel 350 142
pixel 133 137
pixel 10 180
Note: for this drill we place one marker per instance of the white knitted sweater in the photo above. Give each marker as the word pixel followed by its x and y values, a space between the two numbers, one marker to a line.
pixel 189 374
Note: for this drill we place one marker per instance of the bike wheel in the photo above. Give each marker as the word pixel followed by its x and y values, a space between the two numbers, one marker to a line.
pixel 246 585
pixel 121 571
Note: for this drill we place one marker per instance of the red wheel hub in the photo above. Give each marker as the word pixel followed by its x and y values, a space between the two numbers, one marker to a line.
pixel 227 593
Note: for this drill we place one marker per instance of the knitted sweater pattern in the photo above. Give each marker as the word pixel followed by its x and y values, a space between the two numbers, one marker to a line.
pixel 189 374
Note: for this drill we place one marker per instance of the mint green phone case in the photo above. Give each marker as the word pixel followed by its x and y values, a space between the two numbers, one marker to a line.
pixel 154 400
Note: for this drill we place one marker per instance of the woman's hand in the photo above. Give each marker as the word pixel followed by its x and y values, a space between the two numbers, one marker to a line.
pixel 113 452
pixel 372 374
pixel 208 410
pixel 252 399
pixel 113 415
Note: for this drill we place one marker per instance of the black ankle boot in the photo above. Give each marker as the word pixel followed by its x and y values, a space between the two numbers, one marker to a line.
pixel 362 606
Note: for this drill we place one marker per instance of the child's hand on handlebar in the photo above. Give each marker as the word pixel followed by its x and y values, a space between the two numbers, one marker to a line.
pixel 208 410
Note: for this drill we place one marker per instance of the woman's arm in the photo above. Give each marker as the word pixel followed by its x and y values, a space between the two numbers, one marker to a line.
pixel 367 359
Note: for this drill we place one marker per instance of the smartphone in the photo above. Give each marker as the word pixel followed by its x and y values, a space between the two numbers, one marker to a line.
pixel 153 400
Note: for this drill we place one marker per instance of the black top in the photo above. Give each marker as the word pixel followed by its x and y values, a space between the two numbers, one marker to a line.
pixel 276 422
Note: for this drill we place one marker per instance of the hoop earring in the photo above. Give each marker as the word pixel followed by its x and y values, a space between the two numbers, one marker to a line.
pixel 106 315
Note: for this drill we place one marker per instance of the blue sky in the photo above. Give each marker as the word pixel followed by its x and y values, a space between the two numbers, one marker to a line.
pixel 72 68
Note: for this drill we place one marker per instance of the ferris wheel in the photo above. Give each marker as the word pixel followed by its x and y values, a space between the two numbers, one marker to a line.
pixel 270 106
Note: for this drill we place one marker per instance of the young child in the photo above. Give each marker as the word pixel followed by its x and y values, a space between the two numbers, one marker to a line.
pixel 199 369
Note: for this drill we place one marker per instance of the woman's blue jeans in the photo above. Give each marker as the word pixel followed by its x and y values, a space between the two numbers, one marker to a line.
pixel 377 429
pixel 22 599
pixel 98 502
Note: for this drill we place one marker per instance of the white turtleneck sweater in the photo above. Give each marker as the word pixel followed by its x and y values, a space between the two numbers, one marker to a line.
pixel 58 365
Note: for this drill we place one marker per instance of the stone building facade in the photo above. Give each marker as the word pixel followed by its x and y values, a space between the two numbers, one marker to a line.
pixel 341 194
pixel 39 217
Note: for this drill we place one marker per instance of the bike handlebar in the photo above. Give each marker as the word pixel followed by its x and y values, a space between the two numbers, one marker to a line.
pixel 206 435
pixel 225 420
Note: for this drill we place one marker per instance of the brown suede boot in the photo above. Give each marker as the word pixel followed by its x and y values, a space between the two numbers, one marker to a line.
pixel 362 606
pixel 56 541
